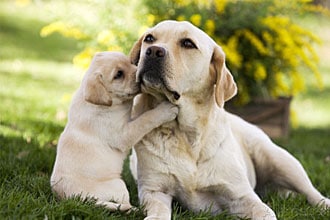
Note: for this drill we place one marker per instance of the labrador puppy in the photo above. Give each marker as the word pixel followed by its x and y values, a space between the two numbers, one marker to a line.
pixel 100 132
pixel 207 159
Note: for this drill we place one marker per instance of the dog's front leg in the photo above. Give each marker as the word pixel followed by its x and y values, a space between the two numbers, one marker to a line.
pixel 157 205
pixel 250 206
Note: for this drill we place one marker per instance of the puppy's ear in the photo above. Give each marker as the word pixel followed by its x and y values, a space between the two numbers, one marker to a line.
pixel 94 90
pixel 225 87
pixel 134 54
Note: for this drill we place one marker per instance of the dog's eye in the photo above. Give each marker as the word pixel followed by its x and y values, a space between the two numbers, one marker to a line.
pixel 187 43
pixel 149 38
pixel 119 74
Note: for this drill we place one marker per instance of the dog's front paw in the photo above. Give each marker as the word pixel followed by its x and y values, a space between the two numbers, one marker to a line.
pixel 168 110
pixel 325 203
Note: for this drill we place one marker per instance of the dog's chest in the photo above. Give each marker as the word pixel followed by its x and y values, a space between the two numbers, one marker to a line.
pixel 167 155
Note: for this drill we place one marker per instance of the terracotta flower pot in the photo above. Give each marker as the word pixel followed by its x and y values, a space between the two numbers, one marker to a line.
pixel 272 116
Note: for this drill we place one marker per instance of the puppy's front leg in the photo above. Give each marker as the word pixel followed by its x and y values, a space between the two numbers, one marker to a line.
pixel 149 120
pixel 157 205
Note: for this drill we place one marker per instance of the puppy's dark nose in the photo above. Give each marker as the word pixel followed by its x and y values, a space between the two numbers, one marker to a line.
pixel 155 52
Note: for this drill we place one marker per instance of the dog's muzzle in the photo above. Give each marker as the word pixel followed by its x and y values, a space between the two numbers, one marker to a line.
pixel 156 52
pixel 152 73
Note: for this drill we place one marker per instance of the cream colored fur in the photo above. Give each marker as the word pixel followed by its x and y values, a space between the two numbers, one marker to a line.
pixel 99 133
pixel 208 159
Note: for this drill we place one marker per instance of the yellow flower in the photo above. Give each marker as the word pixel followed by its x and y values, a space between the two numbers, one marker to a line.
pixel 209 27
pixel 319 80
pixel 232 54
pixel 74 32
pixel 64 29
pixel 281 87
pixel 276 22
pixel 196 19
pixel 22 3
pixel 52 28
pixel 255 41
pixel 66 98
pixel 317 8
pixel 105 37
pixel 289 55
pixel 312 52
pixel 267 37
pixel 220 5
pixel 181 18
pixel 260 72
pixel 298 83
pixel 84 58
pixel 151 19
pixel 182 3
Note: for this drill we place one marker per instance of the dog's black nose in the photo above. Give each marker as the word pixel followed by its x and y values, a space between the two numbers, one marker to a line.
pixel 155 52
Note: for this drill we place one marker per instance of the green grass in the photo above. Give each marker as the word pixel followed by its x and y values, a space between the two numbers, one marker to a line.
pixel 36 81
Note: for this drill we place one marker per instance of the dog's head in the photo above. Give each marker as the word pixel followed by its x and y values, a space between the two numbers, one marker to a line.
pixel 177 60
pixel 110 79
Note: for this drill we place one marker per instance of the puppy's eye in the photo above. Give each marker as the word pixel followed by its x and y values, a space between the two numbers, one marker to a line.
pixel 119 74
pixel 149 38
pixel 187 43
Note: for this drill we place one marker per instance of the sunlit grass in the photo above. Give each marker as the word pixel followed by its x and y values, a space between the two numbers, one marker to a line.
pixel 35 91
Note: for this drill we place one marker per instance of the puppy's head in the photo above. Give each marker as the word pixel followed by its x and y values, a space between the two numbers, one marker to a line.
pixel 177 60
pixel 110 79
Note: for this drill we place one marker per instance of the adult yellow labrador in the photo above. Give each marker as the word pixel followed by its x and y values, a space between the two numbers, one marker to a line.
pixel 208 159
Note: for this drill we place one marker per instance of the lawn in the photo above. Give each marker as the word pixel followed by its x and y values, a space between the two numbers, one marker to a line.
pixel 37 79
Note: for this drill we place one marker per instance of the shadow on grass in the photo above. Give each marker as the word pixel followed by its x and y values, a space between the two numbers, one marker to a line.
pixel 308 141
pixel 21 156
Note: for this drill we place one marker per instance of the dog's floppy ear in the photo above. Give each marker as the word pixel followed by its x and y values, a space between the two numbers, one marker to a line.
pixel 94 90
pixel 225 87
pixel 134 54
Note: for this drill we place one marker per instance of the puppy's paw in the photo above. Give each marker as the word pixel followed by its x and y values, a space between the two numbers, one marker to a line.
pixel 263 213
pixel 168 110
pixel 155 218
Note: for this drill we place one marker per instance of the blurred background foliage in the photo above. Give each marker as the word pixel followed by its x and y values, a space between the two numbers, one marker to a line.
pixel 267 51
